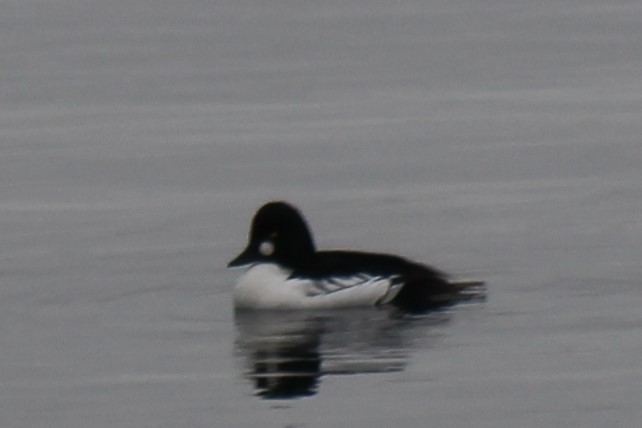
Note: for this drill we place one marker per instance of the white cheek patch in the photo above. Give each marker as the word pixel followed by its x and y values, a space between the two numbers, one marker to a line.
pixel 266 248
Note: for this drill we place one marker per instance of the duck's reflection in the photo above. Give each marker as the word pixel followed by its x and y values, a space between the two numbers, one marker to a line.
pixel 286 354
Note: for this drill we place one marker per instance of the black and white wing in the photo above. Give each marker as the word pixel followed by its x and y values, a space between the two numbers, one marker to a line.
pixel 384 287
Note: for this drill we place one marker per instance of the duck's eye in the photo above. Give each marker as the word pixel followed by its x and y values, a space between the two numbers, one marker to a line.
pixel 266 248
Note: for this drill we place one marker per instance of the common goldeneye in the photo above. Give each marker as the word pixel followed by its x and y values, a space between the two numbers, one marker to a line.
pixel 287 272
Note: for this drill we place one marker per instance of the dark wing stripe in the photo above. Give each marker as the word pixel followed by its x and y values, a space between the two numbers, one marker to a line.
pixel 336 284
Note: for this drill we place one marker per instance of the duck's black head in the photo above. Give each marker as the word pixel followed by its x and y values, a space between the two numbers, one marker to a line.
pixel 279 234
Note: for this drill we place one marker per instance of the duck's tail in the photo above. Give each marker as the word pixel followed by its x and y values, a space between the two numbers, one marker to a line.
pixel 438 292
pixel 464 283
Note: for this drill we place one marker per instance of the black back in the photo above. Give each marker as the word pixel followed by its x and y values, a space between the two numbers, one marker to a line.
pixel 423 288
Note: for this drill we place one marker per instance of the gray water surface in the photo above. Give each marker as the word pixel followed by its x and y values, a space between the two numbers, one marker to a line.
pixel 495 139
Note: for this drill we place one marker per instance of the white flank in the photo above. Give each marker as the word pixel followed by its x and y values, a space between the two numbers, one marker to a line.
pixel 266 286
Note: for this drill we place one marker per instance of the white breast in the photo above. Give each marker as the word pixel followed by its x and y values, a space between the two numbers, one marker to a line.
pixel 267 286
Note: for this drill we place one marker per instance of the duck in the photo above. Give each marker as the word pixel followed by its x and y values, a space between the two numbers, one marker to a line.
pixel 285 271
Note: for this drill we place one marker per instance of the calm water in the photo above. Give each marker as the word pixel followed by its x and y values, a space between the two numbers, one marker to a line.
pixel 495 139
